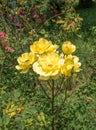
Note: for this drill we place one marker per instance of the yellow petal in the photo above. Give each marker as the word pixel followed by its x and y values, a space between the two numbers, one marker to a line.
pixel 68 48
pixel 42 45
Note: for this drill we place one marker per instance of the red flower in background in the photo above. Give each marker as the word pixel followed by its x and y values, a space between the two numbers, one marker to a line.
pixel 44 17
pixel 21 12
pixel 55 11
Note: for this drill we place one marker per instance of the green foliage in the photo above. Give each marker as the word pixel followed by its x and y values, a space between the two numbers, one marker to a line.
pixel 23 104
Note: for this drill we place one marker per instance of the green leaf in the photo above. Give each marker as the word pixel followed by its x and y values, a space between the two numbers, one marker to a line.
pixel 17 94
pixel 42 31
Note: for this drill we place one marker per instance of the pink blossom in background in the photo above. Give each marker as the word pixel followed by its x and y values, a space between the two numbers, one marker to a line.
pixel 2 35
pixel 16 23
pixel 19 30
pixel 9 49
pixel 12 16
pixel 4 42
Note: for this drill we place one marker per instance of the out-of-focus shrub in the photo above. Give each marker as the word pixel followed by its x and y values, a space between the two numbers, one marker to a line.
pixel 26 16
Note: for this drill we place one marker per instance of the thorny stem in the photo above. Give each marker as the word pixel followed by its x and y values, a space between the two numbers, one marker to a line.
pixel 53 105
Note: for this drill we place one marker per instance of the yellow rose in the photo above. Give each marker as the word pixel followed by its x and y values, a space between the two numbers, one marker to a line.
pixel 77 64
pixel 25 62
pixel 47 66
pixel 42 46
pixel 66 68
pixel 68 48
pixel 70 65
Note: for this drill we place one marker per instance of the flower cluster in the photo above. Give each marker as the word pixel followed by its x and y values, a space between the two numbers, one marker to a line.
pixel 45 60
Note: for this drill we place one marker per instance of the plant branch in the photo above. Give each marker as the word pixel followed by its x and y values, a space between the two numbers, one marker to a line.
pixel 65 97
pixel 43 89
pixel 48 20
pixel 60 87
pixel 53 105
